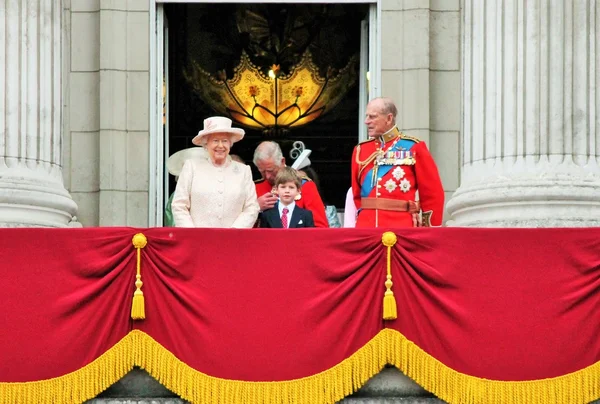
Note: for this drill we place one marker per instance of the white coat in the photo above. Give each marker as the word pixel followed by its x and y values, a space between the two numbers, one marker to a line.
pixel 215 196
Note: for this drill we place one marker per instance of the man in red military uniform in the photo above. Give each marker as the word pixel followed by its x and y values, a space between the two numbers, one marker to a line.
pixel 269 159
pixel 389 169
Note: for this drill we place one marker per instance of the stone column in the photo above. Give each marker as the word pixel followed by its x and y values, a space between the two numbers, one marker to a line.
pixel 31 186
pixel 531 115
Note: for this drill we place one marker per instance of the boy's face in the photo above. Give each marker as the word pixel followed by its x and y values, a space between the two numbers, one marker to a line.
pixel 287 192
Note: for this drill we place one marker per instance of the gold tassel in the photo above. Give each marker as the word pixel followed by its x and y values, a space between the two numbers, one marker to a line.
pixel 138 311
pixel 390 311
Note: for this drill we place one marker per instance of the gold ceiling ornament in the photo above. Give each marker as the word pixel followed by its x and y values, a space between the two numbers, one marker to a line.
pixel 274 102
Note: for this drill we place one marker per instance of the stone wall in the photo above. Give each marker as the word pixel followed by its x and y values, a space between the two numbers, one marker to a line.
pixel 106 110
pixel 421 72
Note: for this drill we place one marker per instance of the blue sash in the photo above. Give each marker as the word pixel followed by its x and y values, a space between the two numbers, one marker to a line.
pixel 368 183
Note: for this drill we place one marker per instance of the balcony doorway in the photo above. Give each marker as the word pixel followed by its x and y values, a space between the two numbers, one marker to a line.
pixel 212 37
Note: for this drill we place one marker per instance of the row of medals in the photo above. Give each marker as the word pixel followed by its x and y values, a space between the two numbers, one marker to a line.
pixel 395 158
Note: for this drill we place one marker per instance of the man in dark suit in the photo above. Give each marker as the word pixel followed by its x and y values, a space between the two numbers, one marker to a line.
pixel 286 214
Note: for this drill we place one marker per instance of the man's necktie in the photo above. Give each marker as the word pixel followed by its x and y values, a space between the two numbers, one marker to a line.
pixel 284 218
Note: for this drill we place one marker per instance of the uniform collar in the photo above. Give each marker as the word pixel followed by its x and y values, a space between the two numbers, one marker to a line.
pixel 391 134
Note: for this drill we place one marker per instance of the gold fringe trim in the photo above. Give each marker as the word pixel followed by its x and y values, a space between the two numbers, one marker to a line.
pixel 579 387
pixel 78 386
pixel 329 386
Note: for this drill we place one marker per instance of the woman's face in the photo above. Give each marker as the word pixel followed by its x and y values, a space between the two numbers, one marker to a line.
pixel 218 146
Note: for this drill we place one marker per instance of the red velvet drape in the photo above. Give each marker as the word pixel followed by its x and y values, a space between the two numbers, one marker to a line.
pixel 269 305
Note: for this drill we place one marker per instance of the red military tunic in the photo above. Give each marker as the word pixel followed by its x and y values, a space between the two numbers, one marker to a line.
pixel 388 179
pixel 309 199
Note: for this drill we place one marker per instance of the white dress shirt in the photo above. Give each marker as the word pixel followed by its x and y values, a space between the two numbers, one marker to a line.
pixel 215 196
pixel 290 207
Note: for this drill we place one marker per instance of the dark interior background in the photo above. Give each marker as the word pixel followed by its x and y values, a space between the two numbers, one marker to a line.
pixel 214 36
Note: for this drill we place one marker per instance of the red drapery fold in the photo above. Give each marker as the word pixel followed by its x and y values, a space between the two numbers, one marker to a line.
pixel 215 296
pixel 502 304
pixel 276 305
pixel 64 296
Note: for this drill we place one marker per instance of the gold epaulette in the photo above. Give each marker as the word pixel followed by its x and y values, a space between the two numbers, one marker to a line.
pixel 414 139
pixel 258 181
pixel 305 177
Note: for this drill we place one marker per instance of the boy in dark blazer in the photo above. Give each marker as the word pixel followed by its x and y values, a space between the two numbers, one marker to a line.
pixel 285 213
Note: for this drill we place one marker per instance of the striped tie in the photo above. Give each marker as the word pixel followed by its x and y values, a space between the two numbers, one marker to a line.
pixel 284 218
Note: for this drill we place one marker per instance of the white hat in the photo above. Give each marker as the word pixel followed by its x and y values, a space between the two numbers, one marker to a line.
pixel 217 124
pixel 302 160
pixel 176 160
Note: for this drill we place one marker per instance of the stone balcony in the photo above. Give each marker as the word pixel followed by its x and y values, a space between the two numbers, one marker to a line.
pixel 388 387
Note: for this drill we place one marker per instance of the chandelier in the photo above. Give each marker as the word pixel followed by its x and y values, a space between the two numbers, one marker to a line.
pixel 273 102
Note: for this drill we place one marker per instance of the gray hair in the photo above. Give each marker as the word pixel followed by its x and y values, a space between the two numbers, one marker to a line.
pixel 388 106
pixel 268 150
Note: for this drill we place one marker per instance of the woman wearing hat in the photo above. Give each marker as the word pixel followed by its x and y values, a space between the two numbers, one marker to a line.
pixel 215 191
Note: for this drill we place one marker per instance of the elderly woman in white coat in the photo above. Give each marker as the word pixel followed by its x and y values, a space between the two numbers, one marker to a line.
pixel 215 191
